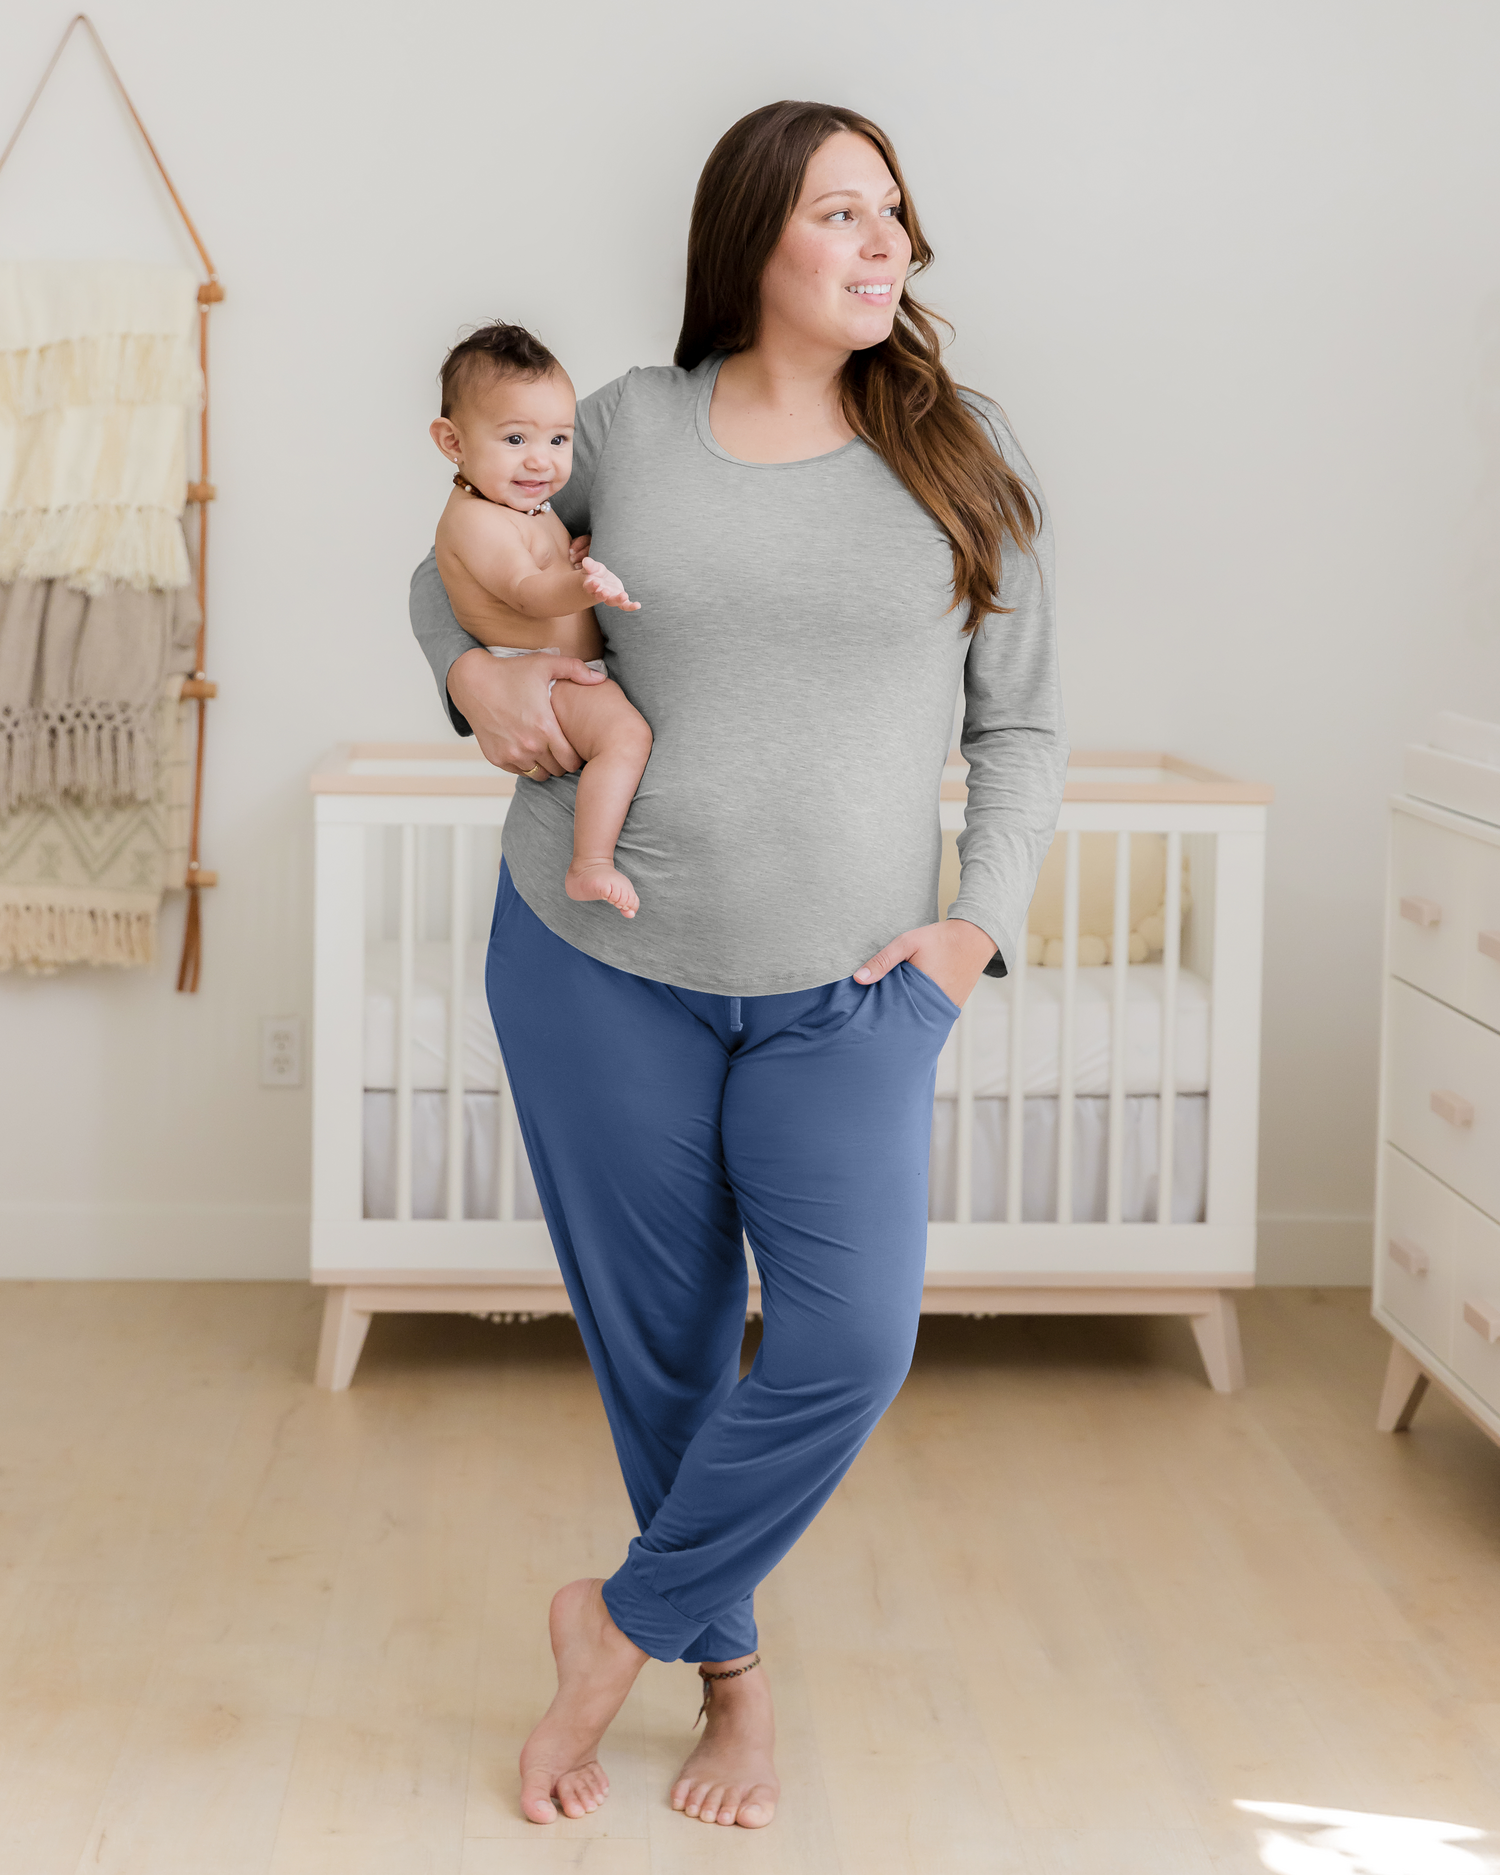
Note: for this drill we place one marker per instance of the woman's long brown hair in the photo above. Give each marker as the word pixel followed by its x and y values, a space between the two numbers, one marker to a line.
pixel 898 395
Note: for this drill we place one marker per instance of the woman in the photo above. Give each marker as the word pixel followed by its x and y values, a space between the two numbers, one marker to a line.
pixel 826 538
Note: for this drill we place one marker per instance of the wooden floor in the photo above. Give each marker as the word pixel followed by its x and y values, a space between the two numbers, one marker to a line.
pixel 1066 1610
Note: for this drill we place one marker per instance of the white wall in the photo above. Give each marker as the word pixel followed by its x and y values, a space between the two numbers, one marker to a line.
pixel 1231 269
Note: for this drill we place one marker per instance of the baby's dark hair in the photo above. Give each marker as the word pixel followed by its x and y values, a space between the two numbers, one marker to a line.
pixel 495 350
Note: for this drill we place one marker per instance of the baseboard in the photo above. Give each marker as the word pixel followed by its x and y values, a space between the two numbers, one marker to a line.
pixel 1322 1251
pixel 153 1242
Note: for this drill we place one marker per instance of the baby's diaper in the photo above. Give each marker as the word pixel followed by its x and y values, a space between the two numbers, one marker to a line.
pixel 542 651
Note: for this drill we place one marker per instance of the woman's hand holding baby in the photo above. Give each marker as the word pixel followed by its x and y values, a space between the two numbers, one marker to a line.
pixel 601 584
pixel 508 705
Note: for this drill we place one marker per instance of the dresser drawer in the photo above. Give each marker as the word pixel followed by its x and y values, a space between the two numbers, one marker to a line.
pixel 1419 1231
pixel 1430 910
pixel 1442 1093
pixel 1482 995
pixel 1475 1351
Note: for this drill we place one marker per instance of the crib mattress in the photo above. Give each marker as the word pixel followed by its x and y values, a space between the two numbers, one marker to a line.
pixel 1038 1178
pixel 989 1025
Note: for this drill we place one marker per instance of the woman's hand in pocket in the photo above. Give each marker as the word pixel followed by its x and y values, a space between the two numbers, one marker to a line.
pixel 953 953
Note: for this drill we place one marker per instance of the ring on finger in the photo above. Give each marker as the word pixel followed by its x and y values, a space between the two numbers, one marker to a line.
pixel 535 769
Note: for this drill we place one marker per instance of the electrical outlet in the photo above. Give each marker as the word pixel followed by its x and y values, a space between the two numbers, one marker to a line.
pixel 281 1051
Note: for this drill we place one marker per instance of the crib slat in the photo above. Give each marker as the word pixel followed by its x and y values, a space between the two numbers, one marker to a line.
pixel 1015 1110
pixel 1065 1068
pixel 505 1150
pixel 405 996
pixel 458 944
pixel 1121 962
pixel 964 1120
pixel 1167 1105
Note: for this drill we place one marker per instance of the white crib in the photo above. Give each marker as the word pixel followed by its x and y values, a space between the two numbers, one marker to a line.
pixel 1122 1181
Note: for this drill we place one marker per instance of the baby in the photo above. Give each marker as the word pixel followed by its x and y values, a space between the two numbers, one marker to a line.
pixel 507 425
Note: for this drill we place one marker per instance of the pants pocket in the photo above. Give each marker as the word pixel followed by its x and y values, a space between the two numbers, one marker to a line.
pixel 928 988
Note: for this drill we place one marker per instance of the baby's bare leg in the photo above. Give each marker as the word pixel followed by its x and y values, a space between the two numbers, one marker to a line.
pixel 614 740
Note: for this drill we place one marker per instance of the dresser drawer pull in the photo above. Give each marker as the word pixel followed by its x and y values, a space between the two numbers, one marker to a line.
pixel 1489 943
pixel 1407 1256
pixel 1421 911
pixel 1451 1107
pixel 1484 1319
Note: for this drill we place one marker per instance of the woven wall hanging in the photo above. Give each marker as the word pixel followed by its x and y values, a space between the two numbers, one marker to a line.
pixel 103 689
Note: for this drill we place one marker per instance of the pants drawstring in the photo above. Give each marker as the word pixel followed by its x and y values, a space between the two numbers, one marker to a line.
pixel 734 1015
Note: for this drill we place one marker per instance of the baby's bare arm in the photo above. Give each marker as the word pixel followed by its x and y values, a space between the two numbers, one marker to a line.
pixel 492 548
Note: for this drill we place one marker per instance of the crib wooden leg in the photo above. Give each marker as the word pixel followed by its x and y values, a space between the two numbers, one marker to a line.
pixel 1218 1336
pixel 1405 1383
pixel 344 1331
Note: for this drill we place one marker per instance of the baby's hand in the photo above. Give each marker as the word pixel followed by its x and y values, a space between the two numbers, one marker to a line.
pixel 603 587
pixel 578 549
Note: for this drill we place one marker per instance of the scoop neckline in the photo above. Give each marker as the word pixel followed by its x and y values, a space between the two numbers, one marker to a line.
pixel 715 448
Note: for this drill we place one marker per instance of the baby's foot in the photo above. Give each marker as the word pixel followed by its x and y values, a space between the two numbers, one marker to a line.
pixel 596 878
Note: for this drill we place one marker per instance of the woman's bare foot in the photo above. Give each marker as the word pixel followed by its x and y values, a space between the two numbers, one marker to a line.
pixel 596 878
pixel 730 1776
pixel 596 1668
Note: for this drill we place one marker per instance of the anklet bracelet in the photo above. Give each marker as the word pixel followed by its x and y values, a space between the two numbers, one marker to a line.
pixel 733 1673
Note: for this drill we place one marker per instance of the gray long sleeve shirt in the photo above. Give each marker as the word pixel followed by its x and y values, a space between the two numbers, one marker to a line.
pixel 798 663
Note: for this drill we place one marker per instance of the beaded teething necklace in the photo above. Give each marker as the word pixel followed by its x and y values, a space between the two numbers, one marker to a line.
pixel 470 489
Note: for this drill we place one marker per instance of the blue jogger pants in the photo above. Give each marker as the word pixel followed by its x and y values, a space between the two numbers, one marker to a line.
pixel 662 1122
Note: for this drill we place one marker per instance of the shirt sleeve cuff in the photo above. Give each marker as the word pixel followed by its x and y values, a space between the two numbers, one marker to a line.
pixel 455 715
pixel 996 967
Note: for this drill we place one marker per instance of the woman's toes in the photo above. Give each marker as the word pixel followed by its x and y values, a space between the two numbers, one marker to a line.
pixel 753 1816
pixel 679 1793
pixel 536 1804
pixel 729 1805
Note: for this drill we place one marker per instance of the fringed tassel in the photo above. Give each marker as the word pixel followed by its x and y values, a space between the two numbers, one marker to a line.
pixel 117 368
pixel 22 767
pixel 102 754
pixel 192 945
pixel 42 939
pixel 95 547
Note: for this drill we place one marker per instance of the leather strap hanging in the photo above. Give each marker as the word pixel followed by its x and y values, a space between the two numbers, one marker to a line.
pixel 199 494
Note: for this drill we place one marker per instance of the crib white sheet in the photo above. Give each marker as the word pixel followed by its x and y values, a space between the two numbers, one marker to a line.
pixel 1039 1175
pixel 989 1025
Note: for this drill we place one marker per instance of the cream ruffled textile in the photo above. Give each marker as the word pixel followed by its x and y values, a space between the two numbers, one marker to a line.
pixel 97 374
pixel 97 377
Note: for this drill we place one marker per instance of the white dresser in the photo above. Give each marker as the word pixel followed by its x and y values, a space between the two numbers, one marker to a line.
pixel 1437 1210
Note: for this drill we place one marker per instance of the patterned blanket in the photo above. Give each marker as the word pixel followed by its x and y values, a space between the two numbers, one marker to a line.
pixel 82 883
